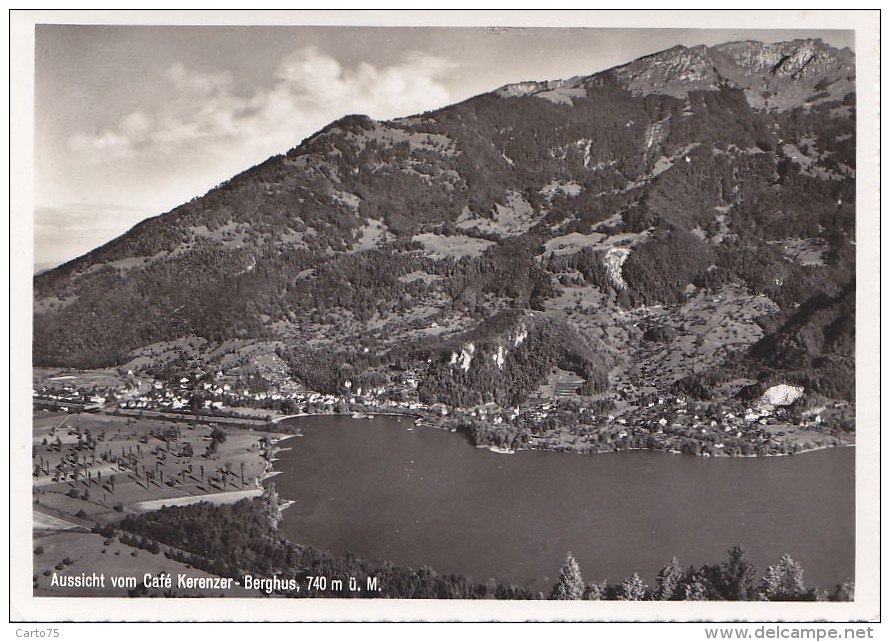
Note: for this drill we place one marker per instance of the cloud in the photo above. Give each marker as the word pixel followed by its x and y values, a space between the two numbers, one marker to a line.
pixel 62 233
pixel 209 127
pixel 208 118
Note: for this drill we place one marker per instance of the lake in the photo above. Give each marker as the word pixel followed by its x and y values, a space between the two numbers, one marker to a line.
pixel 385 489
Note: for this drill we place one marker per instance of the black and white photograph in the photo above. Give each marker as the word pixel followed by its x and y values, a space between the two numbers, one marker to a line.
pixel 555 311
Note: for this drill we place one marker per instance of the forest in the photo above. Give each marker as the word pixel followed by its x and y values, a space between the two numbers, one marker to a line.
pixel 549 343
pixel 237 539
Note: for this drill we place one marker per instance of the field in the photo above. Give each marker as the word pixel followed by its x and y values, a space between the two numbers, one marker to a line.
pixel 121 460
pixel 702 332
pixel 439 246
pixel 92 469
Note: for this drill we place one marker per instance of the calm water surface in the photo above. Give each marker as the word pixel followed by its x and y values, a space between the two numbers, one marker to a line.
pixel 385 489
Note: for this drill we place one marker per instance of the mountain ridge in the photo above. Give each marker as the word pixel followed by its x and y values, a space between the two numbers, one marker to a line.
pixel 588 203
pixel 535 87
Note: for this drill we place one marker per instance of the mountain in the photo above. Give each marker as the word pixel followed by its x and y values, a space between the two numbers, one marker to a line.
pixel 682 222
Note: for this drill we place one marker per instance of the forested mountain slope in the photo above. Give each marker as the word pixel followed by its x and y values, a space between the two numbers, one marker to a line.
pixel 573 225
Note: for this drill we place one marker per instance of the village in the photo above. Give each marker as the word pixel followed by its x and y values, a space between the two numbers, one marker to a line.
pixel 555 418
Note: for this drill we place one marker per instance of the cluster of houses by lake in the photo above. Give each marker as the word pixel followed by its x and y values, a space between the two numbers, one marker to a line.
pixel 69 397
pixel 769 424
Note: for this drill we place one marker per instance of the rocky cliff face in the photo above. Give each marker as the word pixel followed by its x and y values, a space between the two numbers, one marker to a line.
pixel 795 60
pixel 785 71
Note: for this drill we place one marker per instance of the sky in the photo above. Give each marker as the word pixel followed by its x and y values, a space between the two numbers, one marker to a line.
pixel 131 121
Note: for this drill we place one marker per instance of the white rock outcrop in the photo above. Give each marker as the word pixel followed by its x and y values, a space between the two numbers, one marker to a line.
pixel 782 395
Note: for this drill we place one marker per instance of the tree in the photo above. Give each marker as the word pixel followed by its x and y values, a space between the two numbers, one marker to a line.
pixel 668 581
pixel 595 591
pixel 633 589
pixel 784 582
pixel 570 585
pixel 738 575
pixel 696 587
pixel 842 593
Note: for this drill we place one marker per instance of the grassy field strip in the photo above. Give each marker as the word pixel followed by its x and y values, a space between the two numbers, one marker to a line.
pixel 44 522
pixel 229 497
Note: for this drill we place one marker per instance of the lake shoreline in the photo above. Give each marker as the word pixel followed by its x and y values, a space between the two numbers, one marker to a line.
pixel 446 423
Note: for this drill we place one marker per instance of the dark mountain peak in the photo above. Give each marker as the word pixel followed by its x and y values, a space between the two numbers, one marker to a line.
pixel 354 124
